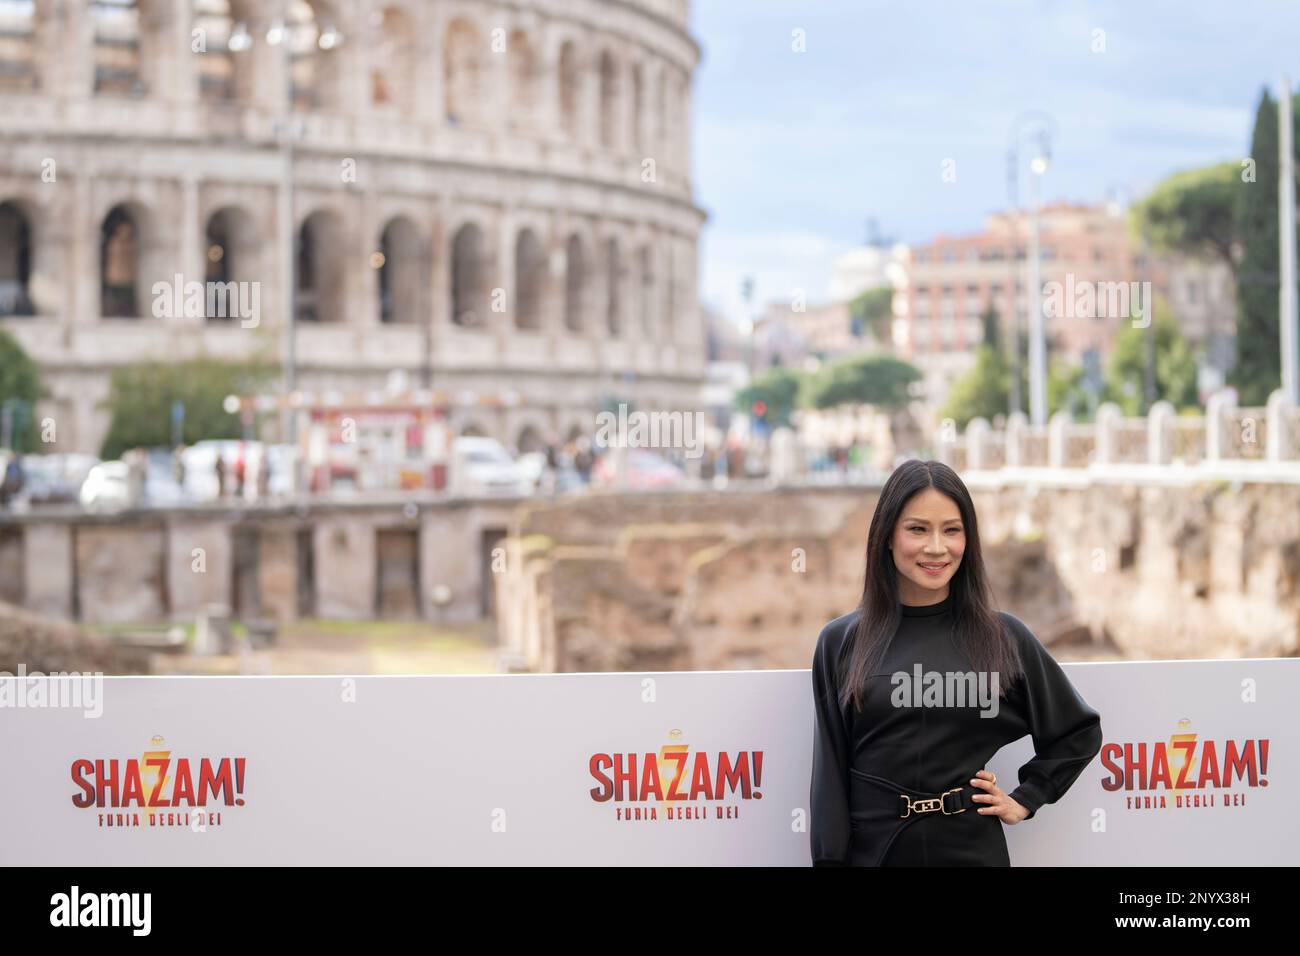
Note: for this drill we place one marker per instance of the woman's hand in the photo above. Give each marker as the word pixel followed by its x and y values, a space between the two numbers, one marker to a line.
pixel 999 804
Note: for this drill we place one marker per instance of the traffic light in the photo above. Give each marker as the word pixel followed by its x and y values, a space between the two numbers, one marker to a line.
pixel 759 410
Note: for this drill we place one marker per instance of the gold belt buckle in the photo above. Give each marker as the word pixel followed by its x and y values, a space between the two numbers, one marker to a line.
pixel 955 812
pixel 929 805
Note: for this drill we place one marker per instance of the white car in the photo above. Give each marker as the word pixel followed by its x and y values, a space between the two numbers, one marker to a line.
pixel 481 466
pixel 106 487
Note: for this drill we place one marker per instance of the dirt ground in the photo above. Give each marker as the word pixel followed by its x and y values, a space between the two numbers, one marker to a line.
pixel 354 647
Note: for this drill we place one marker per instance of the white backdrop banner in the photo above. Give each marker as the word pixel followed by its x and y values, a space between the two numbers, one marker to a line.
pixel 702 768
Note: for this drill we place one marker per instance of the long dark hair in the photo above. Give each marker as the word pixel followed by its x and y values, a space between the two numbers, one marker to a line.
pixel 976 626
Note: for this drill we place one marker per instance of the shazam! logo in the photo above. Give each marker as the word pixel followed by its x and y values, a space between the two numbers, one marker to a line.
pixel 157 791
pixel 1185 772
pixel 673 784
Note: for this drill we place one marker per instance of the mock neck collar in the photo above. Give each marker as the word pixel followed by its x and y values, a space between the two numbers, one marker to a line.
pixel 928 610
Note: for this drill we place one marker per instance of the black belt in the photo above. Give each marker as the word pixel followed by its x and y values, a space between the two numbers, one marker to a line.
pixel 949 803
pixel 879 809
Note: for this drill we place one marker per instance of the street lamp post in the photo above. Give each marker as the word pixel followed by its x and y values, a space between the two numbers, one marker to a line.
pixel 278 35
pixel 1046 127
pixel 1037 338
pixel 1013 170
pixel 747 294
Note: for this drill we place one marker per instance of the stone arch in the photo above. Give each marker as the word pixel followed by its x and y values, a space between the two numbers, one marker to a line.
pixel 17 252
pixel 569 78
pixel 530 438
pixel 645 293
pixel 320 268
pixel 19 59
pixel 610 100
pixel 399 262
pixel 231 251
pixel 314 38
pixel 525 81
pixel 463 72
pixel 615 282
pixel 662 121
pixel 393 51
pixel 668 323
pixel 214 22
pixel 577 284
pixel 639 110
pixel 469 273
pixel 677 118
pixel 124 239
pixel 530 280
pixel 228 66
pixel 576 427
pixel 117 48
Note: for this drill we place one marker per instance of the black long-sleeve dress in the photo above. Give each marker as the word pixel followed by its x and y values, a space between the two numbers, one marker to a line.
pixel 863 760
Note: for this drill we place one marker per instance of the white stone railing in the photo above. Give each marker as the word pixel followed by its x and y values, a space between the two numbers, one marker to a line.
pixel 1225 433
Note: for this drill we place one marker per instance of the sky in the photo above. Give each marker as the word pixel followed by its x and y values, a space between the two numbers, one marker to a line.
pixel 792 152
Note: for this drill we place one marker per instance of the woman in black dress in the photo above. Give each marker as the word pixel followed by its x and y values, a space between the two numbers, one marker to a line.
pixel 921 685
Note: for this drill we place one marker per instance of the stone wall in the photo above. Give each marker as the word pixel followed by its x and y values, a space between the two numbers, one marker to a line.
pixel 361 560
pixel 743 578
pixel 1098 570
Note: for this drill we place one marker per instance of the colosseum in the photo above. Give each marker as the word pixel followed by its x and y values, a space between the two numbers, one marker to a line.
pixel 481 194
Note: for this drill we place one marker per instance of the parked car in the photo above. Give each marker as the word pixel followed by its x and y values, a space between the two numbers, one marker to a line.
pixel 644 471
pixel 533 465
pixel 481 466
pixel 49 481
pixel 107 487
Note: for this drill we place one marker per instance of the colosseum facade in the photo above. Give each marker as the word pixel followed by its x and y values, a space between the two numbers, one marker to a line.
pixel 483 195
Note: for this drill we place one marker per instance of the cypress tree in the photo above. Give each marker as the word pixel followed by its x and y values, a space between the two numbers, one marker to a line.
pixel 1258 368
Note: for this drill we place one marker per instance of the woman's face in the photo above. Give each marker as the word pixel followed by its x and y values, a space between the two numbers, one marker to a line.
pixel 927 545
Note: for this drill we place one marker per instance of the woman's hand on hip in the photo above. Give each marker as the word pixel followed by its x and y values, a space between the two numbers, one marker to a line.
pixel 997 803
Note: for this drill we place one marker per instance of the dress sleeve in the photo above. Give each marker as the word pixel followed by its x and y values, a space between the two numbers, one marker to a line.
pixel 1065 730
pixel 828 827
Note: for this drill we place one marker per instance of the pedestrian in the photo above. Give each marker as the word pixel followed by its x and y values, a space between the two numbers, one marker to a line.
pixel 241 470
pixel 264 474
pixel 13 480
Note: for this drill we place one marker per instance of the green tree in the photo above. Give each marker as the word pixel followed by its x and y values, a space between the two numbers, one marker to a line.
pixel 985 390
pixel 1258 368
pixel 863 380
pixel 20 387
pixel 982 392
pixel 141 397
pixel 1175 366
pixel 779 391
pixel 1193 212
pixel 871 312
pixel 1066 390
